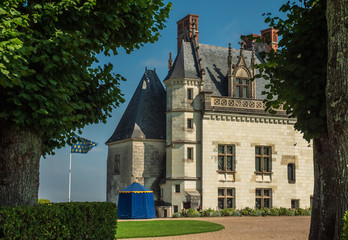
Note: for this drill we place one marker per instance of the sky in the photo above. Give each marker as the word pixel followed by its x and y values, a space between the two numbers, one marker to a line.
pixel 220 22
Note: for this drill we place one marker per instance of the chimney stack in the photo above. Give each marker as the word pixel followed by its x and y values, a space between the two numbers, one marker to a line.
pixel 269 36
pixel 185 29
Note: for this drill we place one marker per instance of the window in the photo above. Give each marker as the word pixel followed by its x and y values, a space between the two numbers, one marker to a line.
pixel 226 158
pixel 263 160
pixel 189 93
pixel 226 198
pixel 177 188
pixel 176 209
pixel 291 173
pixel 263 198
pixel 242 88
pixel 190 153
pixel 117 164
pixel 189 123
pixel 295 203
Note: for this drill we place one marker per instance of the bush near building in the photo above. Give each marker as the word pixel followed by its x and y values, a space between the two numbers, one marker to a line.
pixel 76 220
pixel 245 212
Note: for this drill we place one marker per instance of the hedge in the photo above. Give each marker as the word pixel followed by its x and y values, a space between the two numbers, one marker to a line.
pixel 76 220
pixel 243 212
pixel 345 227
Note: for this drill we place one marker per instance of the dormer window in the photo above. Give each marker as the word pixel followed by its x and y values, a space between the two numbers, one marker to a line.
pixel 242 88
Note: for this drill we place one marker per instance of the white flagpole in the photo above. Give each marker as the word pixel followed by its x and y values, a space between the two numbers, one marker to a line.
pixel 70 176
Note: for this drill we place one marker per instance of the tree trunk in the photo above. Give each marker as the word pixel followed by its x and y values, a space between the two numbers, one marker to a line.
pixel 337 112
pixel 323 209
pixel 20 152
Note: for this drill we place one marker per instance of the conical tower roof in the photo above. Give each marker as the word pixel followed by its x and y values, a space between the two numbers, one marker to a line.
pixel 145 114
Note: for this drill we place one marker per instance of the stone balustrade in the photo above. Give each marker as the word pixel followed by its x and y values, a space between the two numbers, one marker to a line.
pixel 248 104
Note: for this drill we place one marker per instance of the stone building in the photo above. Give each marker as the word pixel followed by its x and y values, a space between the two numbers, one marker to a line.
pixel 206 140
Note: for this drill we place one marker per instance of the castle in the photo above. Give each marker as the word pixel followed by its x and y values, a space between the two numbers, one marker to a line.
pixel 206 140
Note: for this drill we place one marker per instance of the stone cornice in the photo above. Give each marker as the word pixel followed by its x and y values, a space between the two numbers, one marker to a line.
pixel 248 118
pixel 135 140
pixel 182 142
pixel 182 110
pixel 182 81
pixel 183 178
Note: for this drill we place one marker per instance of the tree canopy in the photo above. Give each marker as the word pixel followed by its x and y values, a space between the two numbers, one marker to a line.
pixel 48 82
pixel 297 70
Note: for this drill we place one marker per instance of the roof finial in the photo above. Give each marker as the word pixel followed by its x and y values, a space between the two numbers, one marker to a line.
pixel 145 69
pixel 229 55
pixel 252 54
pixel 242 46
pixel 170 61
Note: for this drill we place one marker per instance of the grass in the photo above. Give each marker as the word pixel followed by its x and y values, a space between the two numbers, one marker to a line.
pixel 160 228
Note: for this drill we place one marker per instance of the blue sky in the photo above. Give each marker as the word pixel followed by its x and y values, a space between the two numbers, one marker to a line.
pixel 220 22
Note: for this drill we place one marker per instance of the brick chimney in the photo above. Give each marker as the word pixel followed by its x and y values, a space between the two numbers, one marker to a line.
pixel 185 29
pixel 269 36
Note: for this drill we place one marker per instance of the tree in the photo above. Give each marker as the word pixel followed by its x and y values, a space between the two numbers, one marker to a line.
pixel 312 57
pixel 48 85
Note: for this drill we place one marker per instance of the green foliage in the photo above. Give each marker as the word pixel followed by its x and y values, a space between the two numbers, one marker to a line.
pixel 297 71
pixel 49 80
pixel 209 213
pixel 345 227
pixel 177 215
pixel 243 212
pixel 230 212
pixel 274 212
pixel 94 220
pixel 246 211
pixel 190 213
pixel 43 201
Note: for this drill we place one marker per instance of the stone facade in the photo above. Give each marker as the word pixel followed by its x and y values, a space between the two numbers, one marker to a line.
pixel 221 148
pixel 141 161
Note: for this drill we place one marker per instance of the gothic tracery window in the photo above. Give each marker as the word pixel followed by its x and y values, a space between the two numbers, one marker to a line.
pixel 242 88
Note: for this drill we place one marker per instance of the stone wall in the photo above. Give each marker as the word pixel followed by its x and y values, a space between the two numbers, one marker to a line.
pixel 141 161
pixel 115 181
pixel 245 132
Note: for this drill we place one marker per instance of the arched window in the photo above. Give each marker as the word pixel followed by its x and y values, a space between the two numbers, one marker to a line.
pixel 242 88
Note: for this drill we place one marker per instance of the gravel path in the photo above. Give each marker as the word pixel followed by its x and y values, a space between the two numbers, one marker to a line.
pixel 247 228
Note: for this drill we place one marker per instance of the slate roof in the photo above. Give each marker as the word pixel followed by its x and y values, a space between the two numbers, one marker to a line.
pixel 214 61
pixel 145 114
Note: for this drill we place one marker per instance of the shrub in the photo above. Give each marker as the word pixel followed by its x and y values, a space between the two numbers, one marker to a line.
pixel 209 213
pixel 237 213
pixel 255 212
pixel 43 201
pixel 345 227
pixel 265 211
pixel 177 215
pixel 246 211
pixel 274 212
pixel 77 220
pixel 190 213
pixel 228 212
pixel 302 212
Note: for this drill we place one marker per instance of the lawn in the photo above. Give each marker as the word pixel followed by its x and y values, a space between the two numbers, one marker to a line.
pixel 158 228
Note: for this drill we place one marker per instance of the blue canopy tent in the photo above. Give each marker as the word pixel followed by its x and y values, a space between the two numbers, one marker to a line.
pixel 136 202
